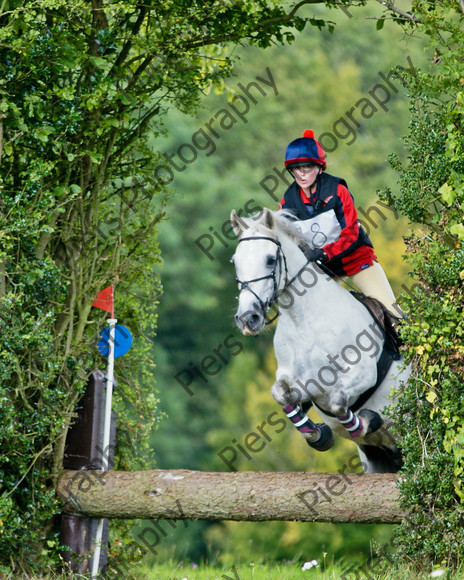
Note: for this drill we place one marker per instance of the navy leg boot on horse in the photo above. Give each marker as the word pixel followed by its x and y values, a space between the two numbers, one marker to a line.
pixel 318 435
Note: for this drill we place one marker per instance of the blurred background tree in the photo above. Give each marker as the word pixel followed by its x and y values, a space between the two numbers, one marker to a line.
pixel 319 78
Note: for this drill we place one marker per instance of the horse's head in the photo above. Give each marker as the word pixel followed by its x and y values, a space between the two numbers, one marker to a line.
pixel 260 267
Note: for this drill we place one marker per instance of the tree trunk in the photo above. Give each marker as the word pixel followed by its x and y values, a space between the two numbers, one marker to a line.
pixel 2 279
pixel 251 496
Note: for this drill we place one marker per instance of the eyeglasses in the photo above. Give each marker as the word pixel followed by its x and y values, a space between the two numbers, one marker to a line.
pixel 303 168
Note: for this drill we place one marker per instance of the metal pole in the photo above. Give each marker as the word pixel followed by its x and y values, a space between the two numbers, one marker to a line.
pixel 106 436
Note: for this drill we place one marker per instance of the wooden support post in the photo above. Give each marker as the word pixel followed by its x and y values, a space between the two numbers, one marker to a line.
pixel 248 495
pixel 84 452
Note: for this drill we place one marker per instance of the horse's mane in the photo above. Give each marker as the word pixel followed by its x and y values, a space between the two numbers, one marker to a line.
pixel 284 219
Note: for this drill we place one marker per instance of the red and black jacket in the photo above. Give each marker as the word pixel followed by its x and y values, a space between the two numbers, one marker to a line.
pixel 353 250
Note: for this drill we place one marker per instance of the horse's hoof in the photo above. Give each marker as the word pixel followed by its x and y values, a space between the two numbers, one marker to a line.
pixel 326 439
pixel 372 419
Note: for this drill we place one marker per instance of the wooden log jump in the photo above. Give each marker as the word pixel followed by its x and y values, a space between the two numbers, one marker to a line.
pixel 239 496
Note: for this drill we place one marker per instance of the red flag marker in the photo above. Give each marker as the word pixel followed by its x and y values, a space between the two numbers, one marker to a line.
pixel 105 300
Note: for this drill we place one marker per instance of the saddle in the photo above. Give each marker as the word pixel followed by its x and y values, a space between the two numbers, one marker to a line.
pixel 385 319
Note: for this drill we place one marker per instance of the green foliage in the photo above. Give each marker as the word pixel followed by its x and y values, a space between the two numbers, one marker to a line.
pixel 252 568
pixel 431 405
pixel 419 194
pixel 83 89
pixel 432 402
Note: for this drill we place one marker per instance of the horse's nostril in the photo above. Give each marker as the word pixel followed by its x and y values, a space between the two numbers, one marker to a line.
pixel 249 320
pixel 253 320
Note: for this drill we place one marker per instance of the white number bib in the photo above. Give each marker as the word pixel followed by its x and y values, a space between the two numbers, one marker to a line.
pixel 321 229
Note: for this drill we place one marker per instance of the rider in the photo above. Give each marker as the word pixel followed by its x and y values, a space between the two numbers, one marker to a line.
pixel 329 221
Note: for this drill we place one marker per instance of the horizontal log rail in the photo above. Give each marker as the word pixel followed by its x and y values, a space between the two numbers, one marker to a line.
pixel 240 496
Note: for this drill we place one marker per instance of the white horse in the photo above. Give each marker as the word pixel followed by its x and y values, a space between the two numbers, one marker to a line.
pixel 329 348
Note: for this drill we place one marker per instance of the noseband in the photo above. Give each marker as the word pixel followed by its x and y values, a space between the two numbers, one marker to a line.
pixel 245 285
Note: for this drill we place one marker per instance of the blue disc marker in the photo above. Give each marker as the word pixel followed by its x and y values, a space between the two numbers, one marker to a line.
pixel 122 341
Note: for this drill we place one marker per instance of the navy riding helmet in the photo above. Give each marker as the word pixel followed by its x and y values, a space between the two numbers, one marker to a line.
pixel 305 150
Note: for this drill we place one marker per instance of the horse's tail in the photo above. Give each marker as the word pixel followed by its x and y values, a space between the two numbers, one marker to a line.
pixel 381 459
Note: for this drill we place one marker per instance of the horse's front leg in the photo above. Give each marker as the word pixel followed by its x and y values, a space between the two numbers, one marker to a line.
pixel 357 425
pixel 284 393
pixel 318 435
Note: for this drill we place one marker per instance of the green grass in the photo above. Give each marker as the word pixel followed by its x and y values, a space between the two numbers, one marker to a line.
pixel 279 571
pixel 264 571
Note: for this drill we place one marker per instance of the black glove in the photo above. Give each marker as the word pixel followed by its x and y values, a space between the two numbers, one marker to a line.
pixel 315 254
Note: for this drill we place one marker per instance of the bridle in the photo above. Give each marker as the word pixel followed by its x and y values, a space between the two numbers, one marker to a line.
pixel 280 258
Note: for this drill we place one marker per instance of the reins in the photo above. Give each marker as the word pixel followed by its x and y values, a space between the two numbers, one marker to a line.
pixel 333 275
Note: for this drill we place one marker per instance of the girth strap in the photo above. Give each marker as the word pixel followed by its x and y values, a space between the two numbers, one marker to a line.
pixel 383 366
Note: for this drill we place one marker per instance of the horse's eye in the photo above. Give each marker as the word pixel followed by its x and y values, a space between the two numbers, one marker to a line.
pixel 270 261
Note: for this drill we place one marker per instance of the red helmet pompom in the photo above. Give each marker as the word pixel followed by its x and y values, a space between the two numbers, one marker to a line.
pixel 308 133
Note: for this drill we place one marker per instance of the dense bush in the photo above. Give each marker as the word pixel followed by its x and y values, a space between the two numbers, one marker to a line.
pixel 431 406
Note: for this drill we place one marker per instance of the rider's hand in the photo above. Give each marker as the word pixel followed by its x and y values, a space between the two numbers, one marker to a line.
pixel 315 254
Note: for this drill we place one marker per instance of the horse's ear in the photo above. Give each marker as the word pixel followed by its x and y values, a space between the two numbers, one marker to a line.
pixel 237 224
pixel 269 219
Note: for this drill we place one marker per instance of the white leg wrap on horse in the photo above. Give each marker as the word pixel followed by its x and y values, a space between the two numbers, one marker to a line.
pixel 352 423
pixel 299 419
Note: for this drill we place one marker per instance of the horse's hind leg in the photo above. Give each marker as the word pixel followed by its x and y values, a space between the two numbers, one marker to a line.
pixel 376 459
pixel 380 436
pixel 318 435
pixel 361 424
